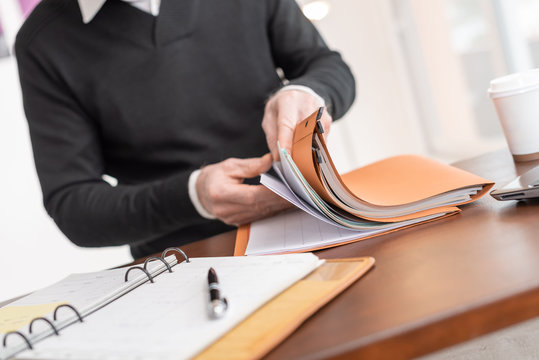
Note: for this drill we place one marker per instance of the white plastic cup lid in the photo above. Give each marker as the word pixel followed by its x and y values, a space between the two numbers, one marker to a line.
pixel 514 84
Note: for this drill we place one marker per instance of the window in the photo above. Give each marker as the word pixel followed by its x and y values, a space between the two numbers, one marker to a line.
pixel 453 49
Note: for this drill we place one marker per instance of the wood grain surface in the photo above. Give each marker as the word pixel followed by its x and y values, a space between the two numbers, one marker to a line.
pixel 433 285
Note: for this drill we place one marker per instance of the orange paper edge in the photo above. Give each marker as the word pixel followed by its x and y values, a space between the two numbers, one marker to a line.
pixel 242 238
pixel 257 351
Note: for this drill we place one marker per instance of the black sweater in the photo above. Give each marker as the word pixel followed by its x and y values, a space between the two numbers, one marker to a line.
pixel 149 99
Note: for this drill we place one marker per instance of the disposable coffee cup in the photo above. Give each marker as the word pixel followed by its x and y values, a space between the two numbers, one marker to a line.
pixel 516 99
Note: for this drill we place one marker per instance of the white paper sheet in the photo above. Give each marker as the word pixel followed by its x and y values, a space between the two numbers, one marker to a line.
pixel 296 230
pixel 169 319
pixel 85 292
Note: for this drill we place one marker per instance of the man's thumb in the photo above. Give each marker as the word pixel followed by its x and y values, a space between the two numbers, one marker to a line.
pixel 255 166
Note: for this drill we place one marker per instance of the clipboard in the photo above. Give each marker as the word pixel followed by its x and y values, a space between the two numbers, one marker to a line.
pixel 276 320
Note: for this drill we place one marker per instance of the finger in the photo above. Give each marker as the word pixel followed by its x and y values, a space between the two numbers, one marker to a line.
pixel 254 196
pixel 326 121
pixel 244 215
pixel 264 197
pixel 242 194
pixel 248 168
pixel 266 202
pixel 287 119
pixel 271 139
pixel 236 214
pixel 269 125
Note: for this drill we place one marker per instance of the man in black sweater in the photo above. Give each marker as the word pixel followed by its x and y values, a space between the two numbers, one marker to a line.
pixel 152 94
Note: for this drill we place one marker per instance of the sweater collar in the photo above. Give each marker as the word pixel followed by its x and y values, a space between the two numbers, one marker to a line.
pixel 89 8
pixel 176 20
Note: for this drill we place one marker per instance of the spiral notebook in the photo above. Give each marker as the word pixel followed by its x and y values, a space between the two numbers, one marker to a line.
pixel 154 311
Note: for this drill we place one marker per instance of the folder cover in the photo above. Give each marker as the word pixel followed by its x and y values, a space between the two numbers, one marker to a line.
pixel 385 196
pixel 277 319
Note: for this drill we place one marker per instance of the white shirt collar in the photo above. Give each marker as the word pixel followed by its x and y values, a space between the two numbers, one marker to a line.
pixel 89 8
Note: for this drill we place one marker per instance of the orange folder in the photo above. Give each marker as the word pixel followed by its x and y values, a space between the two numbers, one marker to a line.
pixel 275 321
pixel 395 181
pixel 399 181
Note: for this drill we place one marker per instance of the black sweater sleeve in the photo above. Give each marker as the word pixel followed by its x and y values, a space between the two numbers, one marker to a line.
pixel 300 51
pixel 70 165
pixel 67 134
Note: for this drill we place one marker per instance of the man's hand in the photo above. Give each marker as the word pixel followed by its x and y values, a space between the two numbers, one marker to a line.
pixel 283 111
pixel 221 192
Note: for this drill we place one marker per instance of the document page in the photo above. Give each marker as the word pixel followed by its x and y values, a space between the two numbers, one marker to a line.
pixel 85 292
pixel 296 230
pixel 169 319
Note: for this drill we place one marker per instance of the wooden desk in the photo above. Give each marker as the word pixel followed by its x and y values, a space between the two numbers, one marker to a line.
pixel 433 286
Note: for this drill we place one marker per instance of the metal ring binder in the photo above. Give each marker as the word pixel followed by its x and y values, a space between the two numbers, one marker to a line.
pixel 140 268
pixel 164 253
pixel 47 321
pixel 157 258
pixel 320 112
pixel 68 306
pixel 21 335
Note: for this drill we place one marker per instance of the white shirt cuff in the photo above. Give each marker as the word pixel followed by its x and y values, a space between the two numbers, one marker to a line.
pixel 306 89
pixel 193 195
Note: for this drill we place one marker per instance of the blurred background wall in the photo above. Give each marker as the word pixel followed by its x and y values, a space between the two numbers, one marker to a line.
pixel 422 69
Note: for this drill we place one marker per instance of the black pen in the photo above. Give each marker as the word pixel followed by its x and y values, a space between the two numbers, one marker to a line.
pixel 218 305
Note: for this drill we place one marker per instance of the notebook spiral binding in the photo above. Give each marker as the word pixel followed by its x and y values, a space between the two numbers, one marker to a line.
pixel 21 335
pixel 43 319
pixel 55 329
pixel 154 258
pixel 139 268
pixel 68 306
pixel 166 251
pixel 169 268
pixel 30 327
